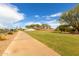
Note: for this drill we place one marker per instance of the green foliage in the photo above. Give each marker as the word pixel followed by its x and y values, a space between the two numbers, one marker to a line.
pixel 64 28
pixel 38 26
pixel 45 26
pixel 71 18
pixel 11 31
pixel 4 31
pixel 7 31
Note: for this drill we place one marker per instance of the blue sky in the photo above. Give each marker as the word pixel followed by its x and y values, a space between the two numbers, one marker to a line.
pixel 38 13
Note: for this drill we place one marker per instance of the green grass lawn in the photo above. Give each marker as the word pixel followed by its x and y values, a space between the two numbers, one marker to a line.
pixel 64 44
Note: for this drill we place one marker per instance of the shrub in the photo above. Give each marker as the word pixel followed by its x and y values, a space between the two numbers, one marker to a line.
pixel 10 32
pixel 2 37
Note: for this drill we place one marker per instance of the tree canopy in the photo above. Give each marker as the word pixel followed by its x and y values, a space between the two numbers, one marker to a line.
pixel 38 26
pixel 71 18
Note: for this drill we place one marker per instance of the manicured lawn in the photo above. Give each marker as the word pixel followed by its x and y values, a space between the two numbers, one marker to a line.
pixel 64 44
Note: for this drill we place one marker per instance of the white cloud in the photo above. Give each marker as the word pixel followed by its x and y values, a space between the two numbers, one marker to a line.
pixel 10 14
pixel 1 26
pixel 36 16
pixel 53 23
pixel 29 23
pixel 50 17
pixel 56 15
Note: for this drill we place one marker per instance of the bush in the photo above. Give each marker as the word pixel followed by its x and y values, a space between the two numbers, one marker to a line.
pixel 10 32
pixel 64 28
pixel 2 37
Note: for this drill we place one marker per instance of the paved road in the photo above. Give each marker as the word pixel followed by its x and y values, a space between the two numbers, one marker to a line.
pixel 25 45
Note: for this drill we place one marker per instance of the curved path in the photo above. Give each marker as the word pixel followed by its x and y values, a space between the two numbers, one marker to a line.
pixel 25 45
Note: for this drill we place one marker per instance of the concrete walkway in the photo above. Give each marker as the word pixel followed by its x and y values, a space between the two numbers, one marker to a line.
pixel 25 45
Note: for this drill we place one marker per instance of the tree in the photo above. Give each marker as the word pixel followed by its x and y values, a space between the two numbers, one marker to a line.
pixel 71 18
pixel 34 26
pixel 45 26
pixel 39 27
pixel 63 28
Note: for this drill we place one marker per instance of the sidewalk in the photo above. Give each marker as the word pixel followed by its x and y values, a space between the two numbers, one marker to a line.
pixel 25 45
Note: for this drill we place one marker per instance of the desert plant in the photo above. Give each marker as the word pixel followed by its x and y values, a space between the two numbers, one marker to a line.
pixel 2 37
pixel 10 32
